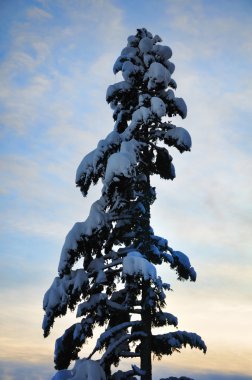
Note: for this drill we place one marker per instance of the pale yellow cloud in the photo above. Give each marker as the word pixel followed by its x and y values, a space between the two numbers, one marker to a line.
pixel 204 209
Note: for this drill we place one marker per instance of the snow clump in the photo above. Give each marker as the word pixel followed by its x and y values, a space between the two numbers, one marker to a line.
pixel 135 264
pixel 83 370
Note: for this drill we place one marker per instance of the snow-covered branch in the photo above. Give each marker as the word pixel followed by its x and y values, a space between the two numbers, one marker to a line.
pixel 114 345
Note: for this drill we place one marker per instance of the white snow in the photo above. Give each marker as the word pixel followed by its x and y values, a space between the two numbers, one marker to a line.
pixel 143 114
pixel 113 139
pixel 119 164
pixel 112 331
pixel 88 370
pixel 64 374
pixel 170 95
pixel 129 70
pixel 122 163
pixel 101 277
pixel 77 331
pixel 173 84
pixel 155 250
pixel 157 38
pixel 167 317
pixel 116 306
pixel 158 75
pixel 148 59
pixel 86 166
pixel 116 343
pixel 96 264
pixel 70 243
pixel 129 52
pixel 78 279
pixel 170 66
pixel 89 163
pixel 145 45
pixel 135 264
pixel 131 148
pixel 179 137
pixel 57 297
pixel 116 88
pixel 163 52
pixel 184 261
pixel 127 134
pixel 58 293
pixel 118 65
pixel 181 106
pixel 158 106
pixel 133 41
pixel 143 98
pixel 97 219
pixel 82 370
pixel 178 339
pixel 138 371
pixel 91 304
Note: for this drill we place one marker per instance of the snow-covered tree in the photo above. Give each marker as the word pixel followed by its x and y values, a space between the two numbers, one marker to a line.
pixel 117 286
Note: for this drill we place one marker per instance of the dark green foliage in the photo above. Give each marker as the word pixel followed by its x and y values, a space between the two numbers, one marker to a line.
pixel 163 164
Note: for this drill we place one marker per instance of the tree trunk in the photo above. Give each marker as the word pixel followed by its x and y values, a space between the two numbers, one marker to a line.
pixel 145 355
pixel 146 341
pixel 144 242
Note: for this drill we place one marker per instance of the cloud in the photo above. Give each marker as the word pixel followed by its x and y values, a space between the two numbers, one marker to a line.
pixel 38 13
pixel 32 68
pixel 208 201
pixel 206 32
pixel 55 75
pixel 50 113
pixel 11 370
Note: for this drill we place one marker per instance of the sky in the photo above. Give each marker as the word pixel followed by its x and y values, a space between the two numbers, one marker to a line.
pixel 56 59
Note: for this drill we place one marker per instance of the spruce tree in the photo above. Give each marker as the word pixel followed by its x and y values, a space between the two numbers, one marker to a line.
pixel 117 286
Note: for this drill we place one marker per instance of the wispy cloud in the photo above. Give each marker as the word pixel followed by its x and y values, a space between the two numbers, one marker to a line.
pixel 38 13
pixel 53 111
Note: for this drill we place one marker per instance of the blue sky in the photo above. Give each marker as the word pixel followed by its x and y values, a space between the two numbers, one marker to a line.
pixel 56 61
